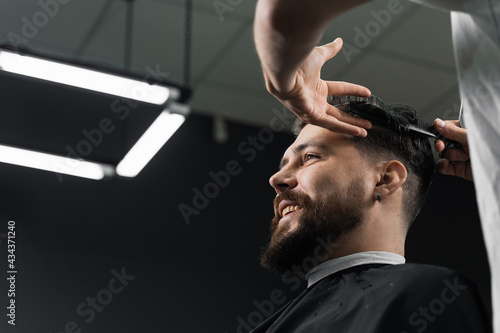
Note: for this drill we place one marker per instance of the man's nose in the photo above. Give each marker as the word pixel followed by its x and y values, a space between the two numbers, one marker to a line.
pixel 283 180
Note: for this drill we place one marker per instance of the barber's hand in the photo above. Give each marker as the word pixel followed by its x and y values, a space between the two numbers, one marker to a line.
pixel 307 98
pixel 456 162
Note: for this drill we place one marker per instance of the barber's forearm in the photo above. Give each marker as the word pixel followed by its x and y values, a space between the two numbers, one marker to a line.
pixel 286 31
pixel 283 38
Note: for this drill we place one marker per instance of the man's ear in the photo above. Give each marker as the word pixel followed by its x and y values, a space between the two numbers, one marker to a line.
pixel 392 176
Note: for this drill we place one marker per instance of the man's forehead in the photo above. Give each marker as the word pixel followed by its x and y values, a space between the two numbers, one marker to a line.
pixel 315 137
pixel 312 131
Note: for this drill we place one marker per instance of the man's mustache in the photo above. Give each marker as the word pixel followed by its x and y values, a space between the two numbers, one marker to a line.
pixel 301 198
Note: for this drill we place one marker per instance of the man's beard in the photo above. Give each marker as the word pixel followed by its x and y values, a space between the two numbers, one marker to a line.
pixel 327 217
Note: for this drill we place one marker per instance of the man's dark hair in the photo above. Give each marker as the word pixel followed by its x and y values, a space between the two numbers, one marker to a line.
pixel 389 138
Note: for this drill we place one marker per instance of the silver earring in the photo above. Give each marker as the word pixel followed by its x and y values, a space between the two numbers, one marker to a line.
pixel 379 197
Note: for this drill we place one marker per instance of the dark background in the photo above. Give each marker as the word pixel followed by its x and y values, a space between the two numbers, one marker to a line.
pixel 199 277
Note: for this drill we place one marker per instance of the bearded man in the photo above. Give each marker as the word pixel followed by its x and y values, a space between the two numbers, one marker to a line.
pixel 362 194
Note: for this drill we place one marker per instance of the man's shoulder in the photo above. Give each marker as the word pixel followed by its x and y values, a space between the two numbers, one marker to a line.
pixel 409 284
pixel 386 298
pixel 419 277
pixel 407 271
pixel 421 271
pixel 393 283
pixel 418 295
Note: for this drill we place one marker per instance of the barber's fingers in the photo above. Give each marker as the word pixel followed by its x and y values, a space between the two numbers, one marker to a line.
pixel 336 121
pixel 340 88
pixel 452 154
pixel 456 155
pixel 458 169
pixel 451 130
pixel 330 50
pixel 347 118
pixel 439 145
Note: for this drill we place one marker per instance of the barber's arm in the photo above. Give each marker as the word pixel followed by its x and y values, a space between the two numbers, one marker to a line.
pixel 456 162
pixel 286 32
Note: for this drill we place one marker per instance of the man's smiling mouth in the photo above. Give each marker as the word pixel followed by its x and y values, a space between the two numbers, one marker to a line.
pixel 289 209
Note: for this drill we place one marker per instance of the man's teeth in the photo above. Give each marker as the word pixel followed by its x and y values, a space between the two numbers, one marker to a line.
pixel 289 209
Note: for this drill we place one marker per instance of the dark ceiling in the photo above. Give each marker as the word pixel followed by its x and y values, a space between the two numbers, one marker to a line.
pixel 393 59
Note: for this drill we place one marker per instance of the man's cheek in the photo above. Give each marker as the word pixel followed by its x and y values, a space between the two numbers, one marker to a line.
pixel 318 183
pixel 322 190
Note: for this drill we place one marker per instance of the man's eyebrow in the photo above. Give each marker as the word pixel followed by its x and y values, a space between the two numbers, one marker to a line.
pixel 299 148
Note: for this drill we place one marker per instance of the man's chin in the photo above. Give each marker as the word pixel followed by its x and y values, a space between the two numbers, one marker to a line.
pixel 291 221
pixel 281 233
pixel 289 245
pixel 285 227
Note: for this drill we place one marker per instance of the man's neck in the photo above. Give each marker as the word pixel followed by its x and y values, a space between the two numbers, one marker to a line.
pixel 363 258
pixel 368 237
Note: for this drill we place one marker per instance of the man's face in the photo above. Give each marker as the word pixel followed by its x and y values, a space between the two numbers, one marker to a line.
pixel 321 194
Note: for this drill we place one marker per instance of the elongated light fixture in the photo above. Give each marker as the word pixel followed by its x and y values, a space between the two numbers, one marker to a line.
pixel 152 140
pixel 54 163
pixel 140 154
pixel 85 78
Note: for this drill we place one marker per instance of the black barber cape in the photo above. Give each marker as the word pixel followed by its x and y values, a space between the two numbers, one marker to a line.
pixel 382 298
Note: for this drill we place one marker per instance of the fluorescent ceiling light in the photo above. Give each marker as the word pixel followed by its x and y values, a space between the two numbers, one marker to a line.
pixel 84 78
pixel 150 143
pixel 140 154
pixel 54 163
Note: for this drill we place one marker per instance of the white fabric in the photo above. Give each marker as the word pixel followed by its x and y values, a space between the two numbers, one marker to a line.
pixel 370 257
pixel 476 39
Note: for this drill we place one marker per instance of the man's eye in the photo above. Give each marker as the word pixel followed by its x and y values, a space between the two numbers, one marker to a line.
pixel 308 157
